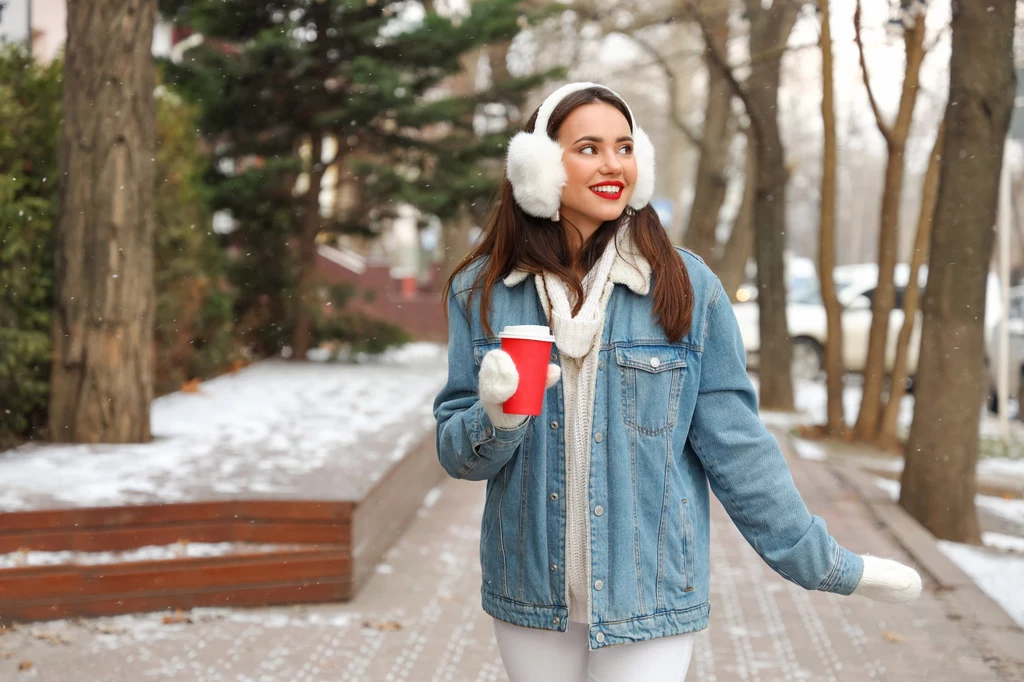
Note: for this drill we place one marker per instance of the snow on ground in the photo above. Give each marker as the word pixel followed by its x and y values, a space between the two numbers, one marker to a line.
pixel 180 550
pixel 1012 510
pixel 999 575
pixel 274 428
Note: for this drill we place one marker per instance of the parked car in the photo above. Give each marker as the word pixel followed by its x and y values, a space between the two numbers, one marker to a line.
pixel 855 289
pixel 1015 355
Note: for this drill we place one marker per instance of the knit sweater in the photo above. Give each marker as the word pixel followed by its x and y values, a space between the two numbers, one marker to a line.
pixel 578 341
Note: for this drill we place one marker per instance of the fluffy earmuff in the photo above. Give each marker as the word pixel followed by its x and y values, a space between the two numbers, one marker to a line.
pixel 534 163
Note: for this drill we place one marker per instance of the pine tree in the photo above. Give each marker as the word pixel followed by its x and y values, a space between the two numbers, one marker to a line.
pixel 292 89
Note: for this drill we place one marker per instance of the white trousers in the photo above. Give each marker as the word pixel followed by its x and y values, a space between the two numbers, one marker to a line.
pixel 535 655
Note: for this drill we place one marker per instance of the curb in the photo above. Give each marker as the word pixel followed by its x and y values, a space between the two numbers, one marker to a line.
pixel 996 632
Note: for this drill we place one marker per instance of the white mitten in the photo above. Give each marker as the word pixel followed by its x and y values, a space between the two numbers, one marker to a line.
pixel 499 380
pixel 888 581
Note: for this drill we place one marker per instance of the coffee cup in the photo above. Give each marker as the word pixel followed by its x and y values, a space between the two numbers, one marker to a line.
pixel 529 345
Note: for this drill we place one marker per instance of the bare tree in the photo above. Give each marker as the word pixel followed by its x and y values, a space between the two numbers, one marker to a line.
pixel 939 480
pixel 712 182
pixel 887 436
pixel 102 380
pixel 732 267
pixel 888 236
pixel 836 422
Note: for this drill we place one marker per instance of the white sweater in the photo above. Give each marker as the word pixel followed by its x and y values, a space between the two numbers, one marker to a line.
pixel 578 342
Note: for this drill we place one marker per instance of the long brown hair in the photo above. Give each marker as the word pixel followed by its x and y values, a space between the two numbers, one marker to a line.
pixel 516 240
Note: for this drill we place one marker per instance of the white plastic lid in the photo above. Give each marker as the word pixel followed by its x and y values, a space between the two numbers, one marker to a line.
pixel 534 332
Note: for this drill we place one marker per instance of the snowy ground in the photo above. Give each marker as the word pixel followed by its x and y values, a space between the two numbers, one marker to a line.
pixel 274 429
pixel 179 550
pixel 811 404
pixel 997 568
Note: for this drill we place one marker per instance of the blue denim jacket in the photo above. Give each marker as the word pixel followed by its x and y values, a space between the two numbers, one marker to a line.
pixel 668 419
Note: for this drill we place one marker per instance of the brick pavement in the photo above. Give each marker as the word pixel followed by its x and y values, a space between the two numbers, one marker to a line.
pixel 762 628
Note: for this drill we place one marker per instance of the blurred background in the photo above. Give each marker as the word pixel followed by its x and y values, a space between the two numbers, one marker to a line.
pixel 257 204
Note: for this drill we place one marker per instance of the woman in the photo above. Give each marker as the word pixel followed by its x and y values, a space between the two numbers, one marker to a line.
pixel 595 530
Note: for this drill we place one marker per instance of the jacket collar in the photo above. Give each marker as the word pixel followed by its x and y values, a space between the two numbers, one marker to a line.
pixel 630 268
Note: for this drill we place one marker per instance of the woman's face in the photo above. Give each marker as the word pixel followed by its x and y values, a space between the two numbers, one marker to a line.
pixel 599 164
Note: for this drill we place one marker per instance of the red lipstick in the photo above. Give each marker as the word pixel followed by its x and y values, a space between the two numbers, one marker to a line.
pixel 611 196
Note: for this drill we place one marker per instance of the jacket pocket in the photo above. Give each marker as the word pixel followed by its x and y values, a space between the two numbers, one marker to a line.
pixel 651 382
pixel 482 348
pixel 688 561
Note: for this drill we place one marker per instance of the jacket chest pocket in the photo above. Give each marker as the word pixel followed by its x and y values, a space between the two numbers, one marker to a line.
pixel 651 382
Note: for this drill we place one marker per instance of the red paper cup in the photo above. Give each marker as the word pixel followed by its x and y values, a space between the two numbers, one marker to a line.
pixel 530 348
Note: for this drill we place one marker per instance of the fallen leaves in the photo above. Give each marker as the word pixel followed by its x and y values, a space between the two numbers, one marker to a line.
pixel 383 625
pixel 25 665
pixel 892 637
pixel 52 637
pixel 191 386
pixel 178 616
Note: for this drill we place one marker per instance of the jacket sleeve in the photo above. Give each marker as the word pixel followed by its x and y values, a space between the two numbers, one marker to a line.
pixel 748 472
pixel 468 444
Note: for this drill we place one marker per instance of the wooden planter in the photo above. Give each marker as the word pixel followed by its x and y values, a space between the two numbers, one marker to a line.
pixel 345 540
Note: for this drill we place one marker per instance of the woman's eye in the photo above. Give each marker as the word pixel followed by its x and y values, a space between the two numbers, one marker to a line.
pixel 589 149
pixel 627 147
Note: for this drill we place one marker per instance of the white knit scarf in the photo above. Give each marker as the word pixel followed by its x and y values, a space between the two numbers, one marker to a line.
pixel 578 341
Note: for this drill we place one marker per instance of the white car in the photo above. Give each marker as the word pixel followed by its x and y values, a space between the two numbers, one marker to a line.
pixel 855 289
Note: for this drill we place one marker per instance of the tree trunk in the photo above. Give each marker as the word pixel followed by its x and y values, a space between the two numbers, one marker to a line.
pixel 712 182
pixel 888 235
pixel 887 436
pixel 769 31
pixel 938 484
pixel 836 422
pixel 732 268
pixel 102 380
pixel 306 263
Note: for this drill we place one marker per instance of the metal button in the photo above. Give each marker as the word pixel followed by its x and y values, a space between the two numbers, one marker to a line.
pixel 556 620
pixel 655 362
pixel 554 425
pixel 600 364
pixel 487 433
pixel 599 585
pixel 600 637
pixel 554 357
pixel 554 567
pixel 598 437
pixel 554 496
pixel 598 510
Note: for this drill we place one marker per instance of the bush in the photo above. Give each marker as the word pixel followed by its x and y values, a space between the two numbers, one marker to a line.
pixel 30 108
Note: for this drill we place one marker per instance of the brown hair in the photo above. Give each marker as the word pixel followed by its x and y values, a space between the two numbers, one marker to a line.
pixel 516 240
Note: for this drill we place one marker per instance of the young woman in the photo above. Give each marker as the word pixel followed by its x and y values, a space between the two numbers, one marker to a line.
pixel 595 530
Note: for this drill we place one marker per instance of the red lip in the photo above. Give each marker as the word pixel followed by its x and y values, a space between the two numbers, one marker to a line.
pixel 605 195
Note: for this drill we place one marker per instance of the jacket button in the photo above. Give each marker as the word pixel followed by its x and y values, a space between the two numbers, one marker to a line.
pixel 598 437
pixel 554 357
pixel 554 496
pixel 600 364
pixel 554 425
pixel 555 620
pixel 655 362
pixel 598 510
pixel 599 585
pixel 599 637
pixel 554 567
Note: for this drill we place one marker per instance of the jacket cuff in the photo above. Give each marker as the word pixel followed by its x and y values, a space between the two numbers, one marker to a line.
pixel 847 569
pixel 483 433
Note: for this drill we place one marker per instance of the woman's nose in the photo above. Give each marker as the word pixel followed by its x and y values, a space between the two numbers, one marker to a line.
pixel 611 164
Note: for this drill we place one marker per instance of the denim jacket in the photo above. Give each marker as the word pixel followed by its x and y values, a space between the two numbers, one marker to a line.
pixel 668 419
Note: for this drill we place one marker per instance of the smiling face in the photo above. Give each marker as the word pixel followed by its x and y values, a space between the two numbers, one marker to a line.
pixel 599 165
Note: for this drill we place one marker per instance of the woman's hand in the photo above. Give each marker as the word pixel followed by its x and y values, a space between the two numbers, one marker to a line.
pixel 888 581
pixel 499 380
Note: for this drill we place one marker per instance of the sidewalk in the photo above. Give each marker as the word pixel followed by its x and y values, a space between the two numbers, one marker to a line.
pixel 762 628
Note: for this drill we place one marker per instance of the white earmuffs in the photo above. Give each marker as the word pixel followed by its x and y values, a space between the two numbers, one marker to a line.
pixel 534 164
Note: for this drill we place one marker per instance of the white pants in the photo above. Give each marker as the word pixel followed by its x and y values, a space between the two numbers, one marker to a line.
pixel 535 655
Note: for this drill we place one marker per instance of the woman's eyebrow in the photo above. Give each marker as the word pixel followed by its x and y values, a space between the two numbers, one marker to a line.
pixel 591 138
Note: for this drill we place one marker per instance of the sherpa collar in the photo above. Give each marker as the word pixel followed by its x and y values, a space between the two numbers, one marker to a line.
pixel 629 268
